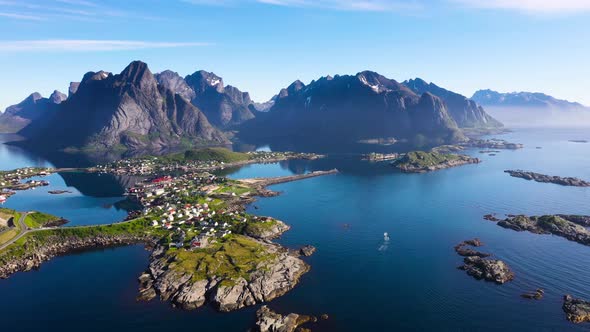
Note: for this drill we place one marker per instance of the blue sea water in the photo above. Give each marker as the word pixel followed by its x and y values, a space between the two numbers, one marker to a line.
pixel 90 202
pixel 360 280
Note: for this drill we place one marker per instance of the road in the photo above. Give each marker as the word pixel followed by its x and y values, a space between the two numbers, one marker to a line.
pixel 23 231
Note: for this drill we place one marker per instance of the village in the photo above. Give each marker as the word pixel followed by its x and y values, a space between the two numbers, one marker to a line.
pixel 10 181
pixel 209 159
pixel 196 208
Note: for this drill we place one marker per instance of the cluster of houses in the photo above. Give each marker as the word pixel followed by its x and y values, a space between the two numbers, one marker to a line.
pixel 170 203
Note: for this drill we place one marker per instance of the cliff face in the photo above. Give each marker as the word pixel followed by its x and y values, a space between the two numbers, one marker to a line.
pixel 352 108
pixel 34 107
pixel 128 110
pixel 466 112
pixel 223 106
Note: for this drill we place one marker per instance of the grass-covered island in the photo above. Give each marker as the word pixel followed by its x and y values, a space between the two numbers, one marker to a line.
pixel 422 161
pixel 206 249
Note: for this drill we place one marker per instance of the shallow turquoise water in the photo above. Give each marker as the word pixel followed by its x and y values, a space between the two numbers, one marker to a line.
pixel 363 283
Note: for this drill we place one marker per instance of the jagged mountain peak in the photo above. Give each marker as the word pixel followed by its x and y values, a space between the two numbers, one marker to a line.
pixel 73 88
pixel 137 73
pixel 95 76
pixel 202 80
pixel 57 97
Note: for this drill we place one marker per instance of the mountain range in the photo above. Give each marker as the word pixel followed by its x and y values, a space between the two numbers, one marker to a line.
pixel 493 98
pixel 137 110
pixel 532 109
pixel 129 110
pixel 352 108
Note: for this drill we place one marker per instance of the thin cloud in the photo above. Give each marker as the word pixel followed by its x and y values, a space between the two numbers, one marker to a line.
pixel 78 3
pixel 531 6
pixel 346 5
pixel 78 10
pixel 21 16
pixel 74 45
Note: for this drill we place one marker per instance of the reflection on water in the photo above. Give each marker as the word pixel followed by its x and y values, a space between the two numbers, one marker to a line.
pixel 411 284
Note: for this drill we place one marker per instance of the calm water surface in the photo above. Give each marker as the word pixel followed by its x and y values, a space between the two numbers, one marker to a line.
pixel 362 282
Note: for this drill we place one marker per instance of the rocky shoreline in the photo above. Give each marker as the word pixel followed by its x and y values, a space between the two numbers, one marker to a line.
pixel 570 227
pixel 564 181
pixel 269 280
pixel 37 253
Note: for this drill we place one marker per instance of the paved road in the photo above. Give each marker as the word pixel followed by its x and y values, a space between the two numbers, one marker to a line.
pixel 23 230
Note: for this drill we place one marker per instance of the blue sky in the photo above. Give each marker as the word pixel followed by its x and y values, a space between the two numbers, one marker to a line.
pixel 261 46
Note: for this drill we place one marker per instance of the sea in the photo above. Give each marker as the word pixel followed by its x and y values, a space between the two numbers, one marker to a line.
pixel 363 280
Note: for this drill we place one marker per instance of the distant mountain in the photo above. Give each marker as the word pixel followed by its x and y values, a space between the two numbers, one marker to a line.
pixel 466 112
pixel 125 111
pixel 223 106
pixel 352 108
pixel 264 107
pixel 523 99
pixel 533 109
pixel 18 116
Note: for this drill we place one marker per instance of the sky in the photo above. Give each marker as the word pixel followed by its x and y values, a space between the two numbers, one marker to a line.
pixel 261 46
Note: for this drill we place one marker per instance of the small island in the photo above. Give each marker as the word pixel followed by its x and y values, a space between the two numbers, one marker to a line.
pixel 421 161
pixel 493 143
pixel 478 265
pixel 563 181
pixel 571 227
pixel 267 320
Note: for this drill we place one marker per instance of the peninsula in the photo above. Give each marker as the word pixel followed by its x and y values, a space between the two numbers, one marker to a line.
pixel 205 248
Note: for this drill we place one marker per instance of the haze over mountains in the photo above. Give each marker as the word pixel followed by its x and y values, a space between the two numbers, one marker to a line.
pixel 138 110
pixel 532 109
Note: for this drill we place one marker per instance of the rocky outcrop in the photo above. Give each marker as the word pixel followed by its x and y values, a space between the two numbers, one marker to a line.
pixel 307 250
pixel 37 252
pixel 572 228
pixel 564 181
pixel 478 266
pixel 536 295
pixel 463 248
pixel 487 269
pixel 270 321
pixel 576 310
pixel 188 290
pixel 266 229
